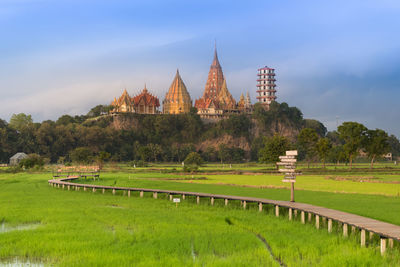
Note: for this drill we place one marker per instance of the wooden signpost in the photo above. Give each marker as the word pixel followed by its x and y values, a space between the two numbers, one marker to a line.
pixel 288 163
pixel 176 201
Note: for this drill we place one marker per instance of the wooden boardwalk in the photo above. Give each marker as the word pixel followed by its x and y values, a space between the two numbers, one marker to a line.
pixel 386 231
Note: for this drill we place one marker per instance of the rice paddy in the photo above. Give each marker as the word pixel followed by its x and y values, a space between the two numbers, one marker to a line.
pixel 50 226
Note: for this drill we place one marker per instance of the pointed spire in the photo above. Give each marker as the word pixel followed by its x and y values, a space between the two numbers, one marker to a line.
pixel 145 88
pixel 215 61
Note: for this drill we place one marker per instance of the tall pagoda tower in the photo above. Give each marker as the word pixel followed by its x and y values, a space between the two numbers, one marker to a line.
pixel 177 100
pixel 266 86
pixel 214 83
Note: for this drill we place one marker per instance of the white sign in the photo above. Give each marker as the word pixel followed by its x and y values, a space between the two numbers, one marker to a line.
pixel 177 200
pixel 291 153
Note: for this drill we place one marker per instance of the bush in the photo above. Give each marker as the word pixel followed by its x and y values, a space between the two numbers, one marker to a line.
pixel 32 161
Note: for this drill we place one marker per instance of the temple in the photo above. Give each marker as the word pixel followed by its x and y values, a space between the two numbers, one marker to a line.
pixel 177 100
pixel 144 103
pixel 217 102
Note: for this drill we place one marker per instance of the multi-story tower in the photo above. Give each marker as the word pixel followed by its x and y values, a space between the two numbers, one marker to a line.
pixel 266 86
pixel 177 100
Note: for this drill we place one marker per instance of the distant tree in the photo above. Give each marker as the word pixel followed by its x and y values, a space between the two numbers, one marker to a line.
pixel 337 154
pixel 376 144
pixel 353 134
pixel 210 154
pixel 334 138
pixel 155 151
pixel 81 155
pixel 273 148
pixel 102 157
pixel 145 153
pixel 323 146
pixel 99 110
pixel 307 140
pixel 319 128
pixel 192 162
pixel 223 153
pixel 394 145
pixel 20 121
pixel 65 120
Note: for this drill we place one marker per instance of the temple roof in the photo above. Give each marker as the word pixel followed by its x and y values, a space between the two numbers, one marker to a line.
pixel 177 91
pixel 225 99
pixel 146 97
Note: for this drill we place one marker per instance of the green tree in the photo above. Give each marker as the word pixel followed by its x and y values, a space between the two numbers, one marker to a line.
pixel 81 155
pixel 193 161
pixel 376 144
pixel 353 134
pixel 20 121
pixel 223 153
pixel 323 146
pixel 273 148
pixel 307 140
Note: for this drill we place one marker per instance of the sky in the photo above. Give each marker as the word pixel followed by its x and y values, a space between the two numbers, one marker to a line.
pixel 335 60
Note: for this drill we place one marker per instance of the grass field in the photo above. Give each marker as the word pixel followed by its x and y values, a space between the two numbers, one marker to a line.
pixel 49 226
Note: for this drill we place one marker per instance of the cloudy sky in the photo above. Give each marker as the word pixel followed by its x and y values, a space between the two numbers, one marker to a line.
pixel 335 60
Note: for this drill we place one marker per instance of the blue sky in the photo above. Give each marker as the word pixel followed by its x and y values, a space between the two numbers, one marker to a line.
pixel 335 60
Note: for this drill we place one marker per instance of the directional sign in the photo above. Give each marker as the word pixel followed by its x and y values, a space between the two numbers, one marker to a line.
pixel 291 153
pixel 289 160
pixel 287 157
pixel 286 163
pixel 177 200
pixel 287 170
pixel 289 180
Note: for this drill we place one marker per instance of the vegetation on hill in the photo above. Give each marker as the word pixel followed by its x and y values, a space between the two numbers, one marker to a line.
pixel 170 138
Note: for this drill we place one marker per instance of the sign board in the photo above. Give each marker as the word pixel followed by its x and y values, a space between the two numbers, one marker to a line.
pixel 177 200
pixel 287 170
pixel 289 180
pixel 287 157
pixel 291 153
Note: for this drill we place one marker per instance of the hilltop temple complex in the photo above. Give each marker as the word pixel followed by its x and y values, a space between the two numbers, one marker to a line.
pixel 215 104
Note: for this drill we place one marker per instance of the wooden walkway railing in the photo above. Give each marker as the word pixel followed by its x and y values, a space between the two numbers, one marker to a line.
pixel 386 231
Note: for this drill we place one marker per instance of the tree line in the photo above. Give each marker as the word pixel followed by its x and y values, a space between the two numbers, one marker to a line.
pixel 94 137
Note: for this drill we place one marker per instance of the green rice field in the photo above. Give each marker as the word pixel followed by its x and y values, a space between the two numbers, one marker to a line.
pixel 46 226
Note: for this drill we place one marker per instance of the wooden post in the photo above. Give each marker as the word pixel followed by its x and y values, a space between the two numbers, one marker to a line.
pixel 309 216
pixel 183 196
pixel 353 229
pixel 129 193
pixel 345 230
pixel 104 190
pixel 371 235
pixel 198 199
pixel 363 237
pixel 63 186
pixel 113 192
pixel 155 195
pixel 141 193
pixel 329 225
pixel 170 197
pixel 226 202
pixel 295 213
pixel 69 187
pixel 292 192
pixel 84 188
pixel 390 242
pixel 303 217
pixel 94 190
pixel 244 204
pixel 78 188
pixel 260 207
pixel 317 221
pixel 276 210
pixel 212 201
pixel 383 245
pixel 290 214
